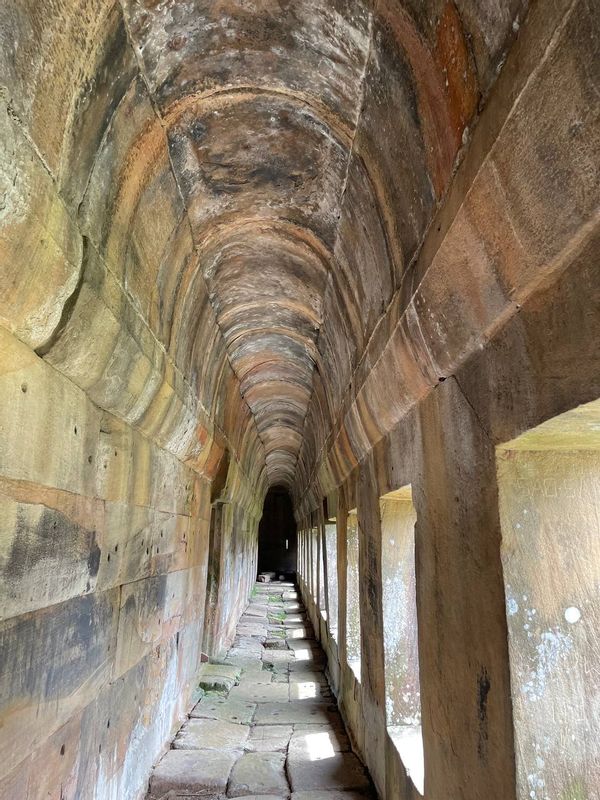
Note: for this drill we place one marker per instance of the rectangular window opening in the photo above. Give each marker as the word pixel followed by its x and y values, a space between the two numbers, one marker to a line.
pixel 549 501
pixel 332 577
pixel 400 631
pixel 352 596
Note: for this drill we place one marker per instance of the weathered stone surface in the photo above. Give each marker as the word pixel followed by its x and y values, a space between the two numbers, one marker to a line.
pixel 306 674
pixel 260 693
pixel 224 708
pixel 211 734
pixel 330 794
pixel 299 711
pixel 310 690
pixel 219 677
pixel 317 742
pixel 269 738
pixel 261 797
pixel 326 770
pixel 258 773
pixel 192 772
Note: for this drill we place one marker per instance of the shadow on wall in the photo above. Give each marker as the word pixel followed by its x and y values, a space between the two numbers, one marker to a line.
pixel 277 548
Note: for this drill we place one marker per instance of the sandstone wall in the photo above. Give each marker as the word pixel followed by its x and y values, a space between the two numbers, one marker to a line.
pixel 493 330
pixel 118 409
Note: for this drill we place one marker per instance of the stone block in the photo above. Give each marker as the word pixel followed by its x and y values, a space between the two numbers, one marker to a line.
pixel 231 710
pixel 192 772
pixel 261 693
pixel 317 742
pixel 211 734
pixel 218 677
pixel 258 773
pixel 330 770
pixel 294 713
pixel 331 794
pixel 269 738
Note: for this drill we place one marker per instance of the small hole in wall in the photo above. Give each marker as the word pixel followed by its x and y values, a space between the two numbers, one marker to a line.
pixel 89 459
pixel 24 388
pixel 75 430
pixel 108 557
pixel 177 640
pixel 116 548
pixel 99 748
pixel 62 750
pixel 108 724
pixel 147 551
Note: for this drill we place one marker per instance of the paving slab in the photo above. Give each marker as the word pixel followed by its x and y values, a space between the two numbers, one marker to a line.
pixel 243 658
pixel 332 794
pixel 225 708
pixel 292 713
pixel 321 741
pixel 314 690
pixel 252 629
pixel 306 675
pixel 193 772
pixel 301 632
pixel 269 738
pixel 261 797
pixel 256 610
pixel 304 644
pixel 305 664
pixel 258 773
pixel 335 771
pixel 278 656
pixel 211 734
pixel 260 677
pixel 261 692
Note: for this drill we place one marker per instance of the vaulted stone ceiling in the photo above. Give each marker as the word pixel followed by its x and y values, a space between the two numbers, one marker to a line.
pixel 259 177
pixel 261 103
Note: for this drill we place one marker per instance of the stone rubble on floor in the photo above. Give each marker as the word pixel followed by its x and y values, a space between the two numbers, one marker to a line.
pixel 267 725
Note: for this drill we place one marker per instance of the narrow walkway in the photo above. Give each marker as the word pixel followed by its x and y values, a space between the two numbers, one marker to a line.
pixel 267 723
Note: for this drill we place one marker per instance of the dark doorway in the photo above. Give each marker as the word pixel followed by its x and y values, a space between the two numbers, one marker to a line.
pixel 277 546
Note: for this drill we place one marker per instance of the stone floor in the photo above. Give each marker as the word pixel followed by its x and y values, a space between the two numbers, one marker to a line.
pixel 267 724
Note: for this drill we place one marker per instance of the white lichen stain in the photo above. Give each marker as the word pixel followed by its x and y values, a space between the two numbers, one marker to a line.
pixel 554 647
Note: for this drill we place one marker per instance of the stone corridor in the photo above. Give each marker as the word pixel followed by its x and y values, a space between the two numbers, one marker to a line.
pixel 266 723
pixel 309 287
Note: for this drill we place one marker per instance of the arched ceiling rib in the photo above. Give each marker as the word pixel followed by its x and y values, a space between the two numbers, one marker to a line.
pixel 249 182
pixel 260 102
pixel 310 142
